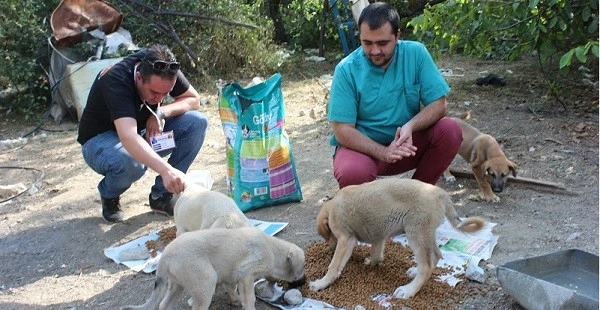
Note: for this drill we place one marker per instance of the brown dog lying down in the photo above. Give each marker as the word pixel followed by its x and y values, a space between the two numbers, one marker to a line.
pixel 376 211
pixel 489 164
pixel 197 261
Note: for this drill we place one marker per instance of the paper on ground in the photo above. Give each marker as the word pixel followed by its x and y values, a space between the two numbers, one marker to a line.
pixel 460 251
pixel 149 265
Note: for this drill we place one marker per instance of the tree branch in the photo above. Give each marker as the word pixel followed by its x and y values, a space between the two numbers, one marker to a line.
pixel 218 19
pixel 417 10
pixel 166 27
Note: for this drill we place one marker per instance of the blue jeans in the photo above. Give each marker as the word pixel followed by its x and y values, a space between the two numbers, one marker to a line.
pixel 106 155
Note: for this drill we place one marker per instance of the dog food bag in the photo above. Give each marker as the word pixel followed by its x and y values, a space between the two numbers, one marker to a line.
pixel 260 165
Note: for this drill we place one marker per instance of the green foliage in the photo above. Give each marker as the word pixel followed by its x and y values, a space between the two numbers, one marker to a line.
pixel 581 53
pixel 302 20
pixel 303 23
pixel 224 51
pixel 508 28
pixel 23 50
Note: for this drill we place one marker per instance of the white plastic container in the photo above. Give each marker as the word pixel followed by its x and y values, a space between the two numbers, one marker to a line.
pixel 200 177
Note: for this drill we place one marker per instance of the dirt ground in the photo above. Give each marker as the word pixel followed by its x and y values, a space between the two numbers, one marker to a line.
pixel 52 238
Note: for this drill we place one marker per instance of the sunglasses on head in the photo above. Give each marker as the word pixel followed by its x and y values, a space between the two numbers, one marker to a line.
pixel 161 65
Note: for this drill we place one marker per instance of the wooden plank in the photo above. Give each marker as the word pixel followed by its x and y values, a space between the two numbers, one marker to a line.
pixel 524 182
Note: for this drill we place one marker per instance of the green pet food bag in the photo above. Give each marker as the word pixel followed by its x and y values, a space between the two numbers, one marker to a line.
pixel 260 165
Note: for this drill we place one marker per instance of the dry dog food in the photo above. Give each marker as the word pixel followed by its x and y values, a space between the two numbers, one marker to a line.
pixel 165 236
pixel 359 282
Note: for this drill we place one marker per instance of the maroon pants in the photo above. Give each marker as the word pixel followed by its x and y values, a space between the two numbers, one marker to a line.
pixel 436 148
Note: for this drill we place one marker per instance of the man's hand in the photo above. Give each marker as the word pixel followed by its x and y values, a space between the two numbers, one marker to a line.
pixel 401 147
pixel 393 153
pixel 153 128
pixel 174 180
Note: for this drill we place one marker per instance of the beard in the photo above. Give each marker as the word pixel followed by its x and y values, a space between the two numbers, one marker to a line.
pixel 382 61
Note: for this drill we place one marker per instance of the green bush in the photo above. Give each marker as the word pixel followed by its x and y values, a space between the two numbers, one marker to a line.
pixel 506 29
pixel 223 50
pixel 24 28
pixel 302 19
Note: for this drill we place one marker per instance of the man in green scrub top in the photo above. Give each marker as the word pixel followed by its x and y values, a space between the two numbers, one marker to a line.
pixel 388 105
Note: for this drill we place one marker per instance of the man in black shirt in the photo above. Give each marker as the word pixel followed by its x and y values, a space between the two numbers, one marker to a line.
pixel 126 127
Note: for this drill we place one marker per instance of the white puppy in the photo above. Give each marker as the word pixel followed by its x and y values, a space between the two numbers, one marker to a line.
pixel 198 208
pixel 197 261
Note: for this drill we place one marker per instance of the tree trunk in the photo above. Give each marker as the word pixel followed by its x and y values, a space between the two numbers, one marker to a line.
pixel 275 15
pixel 322 30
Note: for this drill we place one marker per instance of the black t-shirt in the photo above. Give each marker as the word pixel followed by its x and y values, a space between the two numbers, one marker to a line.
pixel 113 95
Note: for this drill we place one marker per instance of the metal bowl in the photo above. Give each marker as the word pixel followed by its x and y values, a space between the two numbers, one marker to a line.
pixel 565 279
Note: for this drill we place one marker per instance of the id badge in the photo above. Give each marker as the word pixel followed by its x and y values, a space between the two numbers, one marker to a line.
pixel 163 142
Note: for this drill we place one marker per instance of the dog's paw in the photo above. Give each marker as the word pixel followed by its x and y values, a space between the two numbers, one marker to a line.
pixel 450 179
pixel 412 272
pixel 482 197
pixel 317 285
pixel 490 197
pixel 404 292
pixel 495 199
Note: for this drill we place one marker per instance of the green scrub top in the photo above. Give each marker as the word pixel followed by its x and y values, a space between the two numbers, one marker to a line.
pixel 379 101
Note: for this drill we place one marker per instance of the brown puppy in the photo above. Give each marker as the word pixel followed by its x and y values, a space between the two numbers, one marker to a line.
pixel 377 211
pixel 489 164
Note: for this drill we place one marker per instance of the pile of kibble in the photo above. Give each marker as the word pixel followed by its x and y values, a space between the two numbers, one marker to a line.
pixel 165 236
pixel 359 282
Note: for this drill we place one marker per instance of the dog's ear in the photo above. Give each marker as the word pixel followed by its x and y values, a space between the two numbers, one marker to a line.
pixel 486 168
pixel 295 263
pixel 290 258
pixel 513 168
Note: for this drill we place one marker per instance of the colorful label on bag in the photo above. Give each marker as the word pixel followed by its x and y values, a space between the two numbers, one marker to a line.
pixel 260 166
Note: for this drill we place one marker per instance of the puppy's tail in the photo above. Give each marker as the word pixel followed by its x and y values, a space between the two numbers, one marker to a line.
pixel 160 287
pixel 470 224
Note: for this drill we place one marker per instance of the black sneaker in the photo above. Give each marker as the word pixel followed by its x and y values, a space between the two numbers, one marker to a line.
pixel 111 210
pixel 162 204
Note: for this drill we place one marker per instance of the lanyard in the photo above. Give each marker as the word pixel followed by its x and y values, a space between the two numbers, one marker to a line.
pixel 158 114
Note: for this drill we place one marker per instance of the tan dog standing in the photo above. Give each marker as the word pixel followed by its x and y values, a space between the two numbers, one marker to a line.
pixel 198 208
pixel 489 164
pixel 376 211
pixel 197 261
